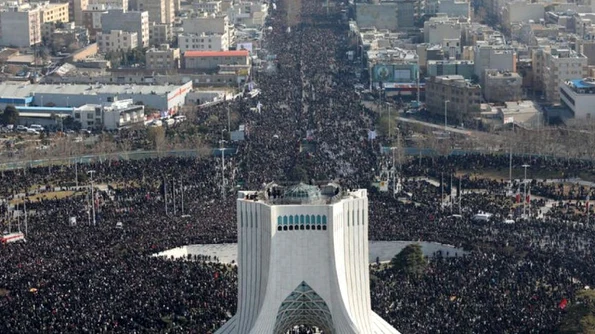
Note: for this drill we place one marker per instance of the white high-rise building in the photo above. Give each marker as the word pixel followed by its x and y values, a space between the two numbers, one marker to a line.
pixel 303 260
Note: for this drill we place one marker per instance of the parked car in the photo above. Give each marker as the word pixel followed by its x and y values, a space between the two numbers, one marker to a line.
pixel 21 128
pixel 36 127
pixel 32 131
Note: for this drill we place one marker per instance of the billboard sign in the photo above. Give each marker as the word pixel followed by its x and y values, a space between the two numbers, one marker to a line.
pixel 383 73
pixel 245 46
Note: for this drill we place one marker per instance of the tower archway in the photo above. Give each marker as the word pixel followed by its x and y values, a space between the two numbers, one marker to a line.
pixel 304 306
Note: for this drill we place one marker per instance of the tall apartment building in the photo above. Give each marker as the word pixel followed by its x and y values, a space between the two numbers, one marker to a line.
pixel 20 26
pixel 116 40
pixel 502 86
pixel 458 96
pixel 219 24
pixel 54 12
pixel 163 58
pixel 92 18
pixel 442 27
pixel 75 10
pixel 553 66
pixel 452 8
pixel 488 56
pixel 203 42
pixel 119 19
pixel 160 11
pixel 160 33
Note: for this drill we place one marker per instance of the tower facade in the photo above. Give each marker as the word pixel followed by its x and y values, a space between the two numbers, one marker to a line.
pixel 303 260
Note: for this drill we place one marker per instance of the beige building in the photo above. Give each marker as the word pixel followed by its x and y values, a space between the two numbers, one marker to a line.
pixel 458 96
pixel 502 86
pixel 209 24
pixel 111 4
pixel 160 11
pixel 21 26
pixel 203 42
pixel 116 40
pixel 131 21
pixel 553 66
pixel 163 58
pixel 55 12
pixel 212 60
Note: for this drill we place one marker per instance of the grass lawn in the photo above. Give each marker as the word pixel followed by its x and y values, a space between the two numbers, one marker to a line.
pixel 517 173
pixel 48 195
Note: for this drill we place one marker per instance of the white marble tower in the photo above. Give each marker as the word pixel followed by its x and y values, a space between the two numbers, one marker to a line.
pixel 303 260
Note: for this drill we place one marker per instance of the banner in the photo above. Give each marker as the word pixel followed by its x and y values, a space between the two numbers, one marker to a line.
pixel 383 186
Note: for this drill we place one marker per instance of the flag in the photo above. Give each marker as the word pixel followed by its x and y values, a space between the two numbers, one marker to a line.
pixel 518 195
pixel 528 199
pixel 216 275
pixel 563 303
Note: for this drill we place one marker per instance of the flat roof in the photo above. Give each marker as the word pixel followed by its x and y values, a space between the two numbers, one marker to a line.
pixel 25 89
pixel 580 83
pixel 47 109
pixel 234 53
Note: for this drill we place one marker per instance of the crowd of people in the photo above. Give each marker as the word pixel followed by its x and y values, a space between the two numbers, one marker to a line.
pixel 75 273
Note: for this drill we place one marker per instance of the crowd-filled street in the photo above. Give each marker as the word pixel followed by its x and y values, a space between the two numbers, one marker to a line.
pixel 99 278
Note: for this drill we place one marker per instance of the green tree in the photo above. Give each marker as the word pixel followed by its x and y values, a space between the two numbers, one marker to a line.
pixel 580 315
pixel 10 115
pixel 409 261
pixel 71 124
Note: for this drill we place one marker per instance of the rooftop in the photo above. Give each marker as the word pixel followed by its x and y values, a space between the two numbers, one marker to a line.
pixel 300 194
pixel 582 86
pixel 236 53
pixel 24 89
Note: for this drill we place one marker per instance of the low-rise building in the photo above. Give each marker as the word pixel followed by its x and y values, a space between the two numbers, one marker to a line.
pixel 502 86
pixel 212 60
pixel 203 42
pixel 579 96
pixel 163 58
pixel 110 115
pixel 116 41
pixel 523 113
pixel 454 94
pixel 163 97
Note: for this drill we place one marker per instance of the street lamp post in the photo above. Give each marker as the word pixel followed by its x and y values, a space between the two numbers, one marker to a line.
pixel 222 142
pixel 525 166
pixel 445 113
pixel 91 172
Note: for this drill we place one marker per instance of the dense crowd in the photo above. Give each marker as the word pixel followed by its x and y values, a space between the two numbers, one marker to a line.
pixel 73 277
